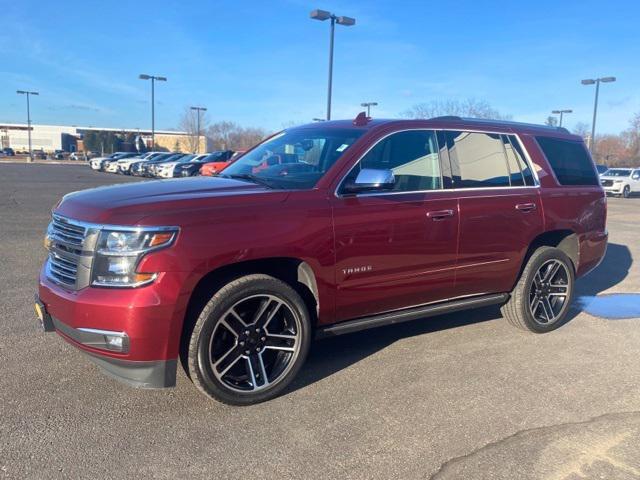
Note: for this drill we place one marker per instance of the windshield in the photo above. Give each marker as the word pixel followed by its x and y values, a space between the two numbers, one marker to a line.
pixel 294 159
pixel 617 172
pixel 186 158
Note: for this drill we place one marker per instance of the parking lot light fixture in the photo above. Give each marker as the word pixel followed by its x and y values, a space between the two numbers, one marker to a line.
pixel 561 113
pixel 323 15
pixel 28 94
pixel 596 81
pixel 198 110
pixel 368 106
pixel 153 78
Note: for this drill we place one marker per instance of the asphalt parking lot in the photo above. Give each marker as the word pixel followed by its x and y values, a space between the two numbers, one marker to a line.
pixel 458 396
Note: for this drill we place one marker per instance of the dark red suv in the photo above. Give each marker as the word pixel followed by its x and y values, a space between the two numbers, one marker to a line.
pixel 322 229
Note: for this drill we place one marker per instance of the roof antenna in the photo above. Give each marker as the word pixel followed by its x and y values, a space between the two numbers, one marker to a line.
pixel 361 119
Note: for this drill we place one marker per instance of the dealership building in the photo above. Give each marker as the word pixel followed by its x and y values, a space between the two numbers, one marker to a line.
pixel 49 138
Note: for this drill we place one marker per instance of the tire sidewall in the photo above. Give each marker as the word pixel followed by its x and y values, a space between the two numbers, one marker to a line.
pixel 199 365
pixel 536 262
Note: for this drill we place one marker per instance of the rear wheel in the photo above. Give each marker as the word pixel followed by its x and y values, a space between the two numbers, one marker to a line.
pixel 250 341
pixel 540 300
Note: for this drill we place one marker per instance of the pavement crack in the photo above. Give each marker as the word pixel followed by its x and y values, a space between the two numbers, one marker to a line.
pixel 461 458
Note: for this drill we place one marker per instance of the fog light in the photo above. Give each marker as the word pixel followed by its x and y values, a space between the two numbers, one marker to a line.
pixel 114 342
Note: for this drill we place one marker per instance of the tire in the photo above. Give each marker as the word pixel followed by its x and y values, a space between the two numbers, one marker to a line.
pixel 253 329
pixel 536 298
pixel 626 192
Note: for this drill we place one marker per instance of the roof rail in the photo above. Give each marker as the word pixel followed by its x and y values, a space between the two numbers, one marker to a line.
pixel 447 117
pixel 507 122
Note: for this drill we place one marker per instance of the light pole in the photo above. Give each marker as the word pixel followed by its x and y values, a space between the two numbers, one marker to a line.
pixel 198 110
pixel 591 81
pixel 28 93
pixel 561 112
pixel 347 22
pixel 153 79
pixel 368 106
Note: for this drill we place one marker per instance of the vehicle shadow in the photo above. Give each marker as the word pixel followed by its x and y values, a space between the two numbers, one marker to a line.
pixel 613 269
pixel 331 355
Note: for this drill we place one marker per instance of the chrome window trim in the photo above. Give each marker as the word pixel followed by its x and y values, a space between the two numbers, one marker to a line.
pixel 527 160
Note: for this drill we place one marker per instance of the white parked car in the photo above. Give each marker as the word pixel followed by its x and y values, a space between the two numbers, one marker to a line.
pixel 101 163
pixel 165 170
pixel 621 181
pixel 124 164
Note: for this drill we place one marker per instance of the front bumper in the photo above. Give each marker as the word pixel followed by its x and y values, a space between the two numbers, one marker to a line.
pixel 147 321
pixel 615 189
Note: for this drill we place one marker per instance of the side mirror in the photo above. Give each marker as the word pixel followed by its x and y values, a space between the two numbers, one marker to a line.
pixel 636 176
pixel 371 180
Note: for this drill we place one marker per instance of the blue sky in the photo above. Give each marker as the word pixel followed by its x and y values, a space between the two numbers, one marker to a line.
pixel 265 63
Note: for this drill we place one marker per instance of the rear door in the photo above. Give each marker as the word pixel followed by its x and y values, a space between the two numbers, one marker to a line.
pixel 396 249
pixel 499 206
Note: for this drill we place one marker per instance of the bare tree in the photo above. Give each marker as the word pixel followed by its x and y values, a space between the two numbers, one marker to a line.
pixel 231 136
pixel 189 124
pixel 582 129
pixel 462 108
pixel 220 133
pixel 551 121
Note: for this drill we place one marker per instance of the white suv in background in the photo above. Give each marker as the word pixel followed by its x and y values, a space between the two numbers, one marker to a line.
pixel 621 181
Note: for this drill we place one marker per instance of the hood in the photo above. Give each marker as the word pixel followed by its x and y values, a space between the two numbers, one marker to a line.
pixel 167 164
pixel 614 177
pixel 125 161
pixel 130 203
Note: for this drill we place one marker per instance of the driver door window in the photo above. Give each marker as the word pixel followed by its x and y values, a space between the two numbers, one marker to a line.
pixel 412 156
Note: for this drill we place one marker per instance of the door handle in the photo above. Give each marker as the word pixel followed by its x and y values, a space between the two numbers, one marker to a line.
pixel 526 207
pixel 439 214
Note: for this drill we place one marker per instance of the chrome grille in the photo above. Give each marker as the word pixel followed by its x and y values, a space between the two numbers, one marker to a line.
pixel 66 243
pixel 62 269
pixel 607 183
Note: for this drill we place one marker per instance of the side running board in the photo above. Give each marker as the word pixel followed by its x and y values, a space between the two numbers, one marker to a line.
pixel 409 314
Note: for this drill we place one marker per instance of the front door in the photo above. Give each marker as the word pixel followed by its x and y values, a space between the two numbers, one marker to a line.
pixel 396 249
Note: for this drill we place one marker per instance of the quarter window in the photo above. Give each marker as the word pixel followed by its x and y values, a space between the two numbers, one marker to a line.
pixel 569 160
pixel 478 160
pixel 412 156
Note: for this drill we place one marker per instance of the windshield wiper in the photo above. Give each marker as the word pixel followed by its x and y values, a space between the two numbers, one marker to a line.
pixel 249 177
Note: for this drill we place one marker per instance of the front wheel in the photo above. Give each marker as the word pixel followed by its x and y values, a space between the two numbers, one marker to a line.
pixel 250 341
pixel 626 192
pixel 540 300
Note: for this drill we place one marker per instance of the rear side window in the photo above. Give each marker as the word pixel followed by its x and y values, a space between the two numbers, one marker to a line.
pixel 518 167
pixel 569 160
pixel 478 160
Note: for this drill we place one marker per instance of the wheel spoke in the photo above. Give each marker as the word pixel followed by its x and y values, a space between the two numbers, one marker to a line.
pixel 234 323
pixel 228 360
pixel 535 303
pixel 251 372
pixel 551 271
pixel 559 290
pixel 263 370
pixel 537 280
pixel 267 311
pixel 280 342
pixel 548 309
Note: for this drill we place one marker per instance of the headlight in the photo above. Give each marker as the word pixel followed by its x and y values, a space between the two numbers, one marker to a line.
pixel 618 181
pixel 119 253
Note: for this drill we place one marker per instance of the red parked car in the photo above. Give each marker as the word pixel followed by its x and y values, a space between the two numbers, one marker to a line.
pixel 351 225
pixel 213 168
